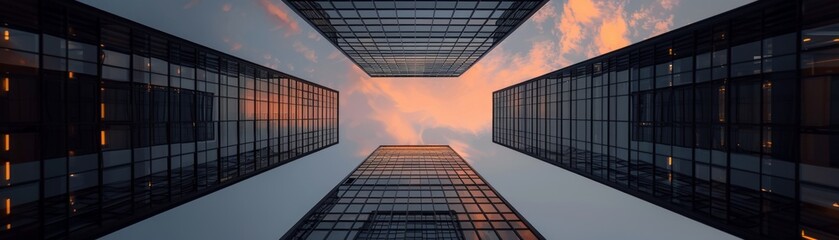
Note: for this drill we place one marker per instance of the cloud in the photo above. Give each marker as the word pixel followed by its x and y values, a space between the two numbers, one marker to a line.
pixel 461 148
pixel 191 3
pixel 282 17
pixel 655 19
pixel 334 55
pixel 307 52
pixel 613 32
pixel 226 7
pixel 453 110
pixel 313 35
pixel 669 4
pixel 236 46
pixel 547 12
pixel 406 107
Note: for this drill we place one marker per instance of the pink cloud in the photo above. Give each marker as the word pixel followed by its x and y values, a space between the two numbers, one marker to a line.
pixel 282 16
pixel 334 55
pixel 226 7
pixel 313 35
pixel 191 3
pixel 235 46
pixel 307 52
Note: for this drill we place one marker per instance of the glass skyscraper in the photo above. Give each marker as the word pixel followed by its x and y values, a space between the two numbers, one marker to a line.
pixel 732 121
pixel 104 122
pixel 415 38
pixel 413 192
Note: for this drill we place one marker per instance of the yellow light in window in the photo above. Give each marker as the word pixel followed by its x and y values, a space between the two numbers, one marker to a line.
pixel 8 170
pixel 804 236
pixel 836 204
pixel 807 39
pixel 670 51
pixel 669 161
pixel 6 35
pixel 70 74
pixel 8 206
pixel 6 84
pixel 836 39
pixel 102 136
pixel 8 226
pixel 102 110
pixel 721 100
pixel 6 140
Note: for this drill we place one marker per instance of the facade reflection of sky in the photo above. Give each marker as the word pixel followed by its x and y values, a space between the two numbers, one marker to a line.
pixel 454 111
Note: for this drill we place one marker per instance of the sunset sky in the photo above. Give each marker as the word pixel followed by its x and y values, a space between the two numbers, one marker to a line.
pixel 453 111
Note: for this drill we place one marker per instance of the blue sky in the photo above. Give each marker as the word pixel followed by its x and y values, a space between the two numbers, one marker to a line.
pixel 454 111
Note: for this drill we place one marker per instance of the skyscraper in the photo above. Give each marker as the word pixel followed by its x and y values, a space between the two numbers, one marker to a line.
pixel 730 121
pixel 415 38
pixel 104 122
pixel 413 192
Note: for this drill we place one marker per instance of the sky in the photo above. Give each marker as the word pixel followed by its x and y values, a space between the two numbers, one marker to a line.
pixel 453 111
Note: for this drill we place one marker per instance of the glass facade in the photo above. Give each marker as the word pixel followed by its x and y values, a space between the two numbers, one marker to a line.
pixel 413 192
pixel 104 122
pixel 415 38
pixel 728 121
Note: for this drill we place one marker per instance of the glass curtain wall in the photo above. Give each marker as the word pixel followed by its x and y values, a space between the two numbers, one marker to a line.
pixel 413 192
pixel 104 122
pixel 727 121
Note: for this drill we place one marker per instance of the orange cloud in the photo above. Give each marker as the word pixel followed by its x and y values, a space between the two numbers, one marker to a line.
pixel 408 106
pixel 669 4
pixel 547 12
pixel 613 33
pixel 414 110
pixel 282 16
pixel 461 148
pixel 657 18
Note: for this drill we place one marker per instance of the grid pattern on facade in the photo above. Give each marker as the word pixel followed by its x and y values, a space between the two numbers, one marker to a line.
pixel 413 192
pixel 729 121
pixel 104 122
pixel 415 38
